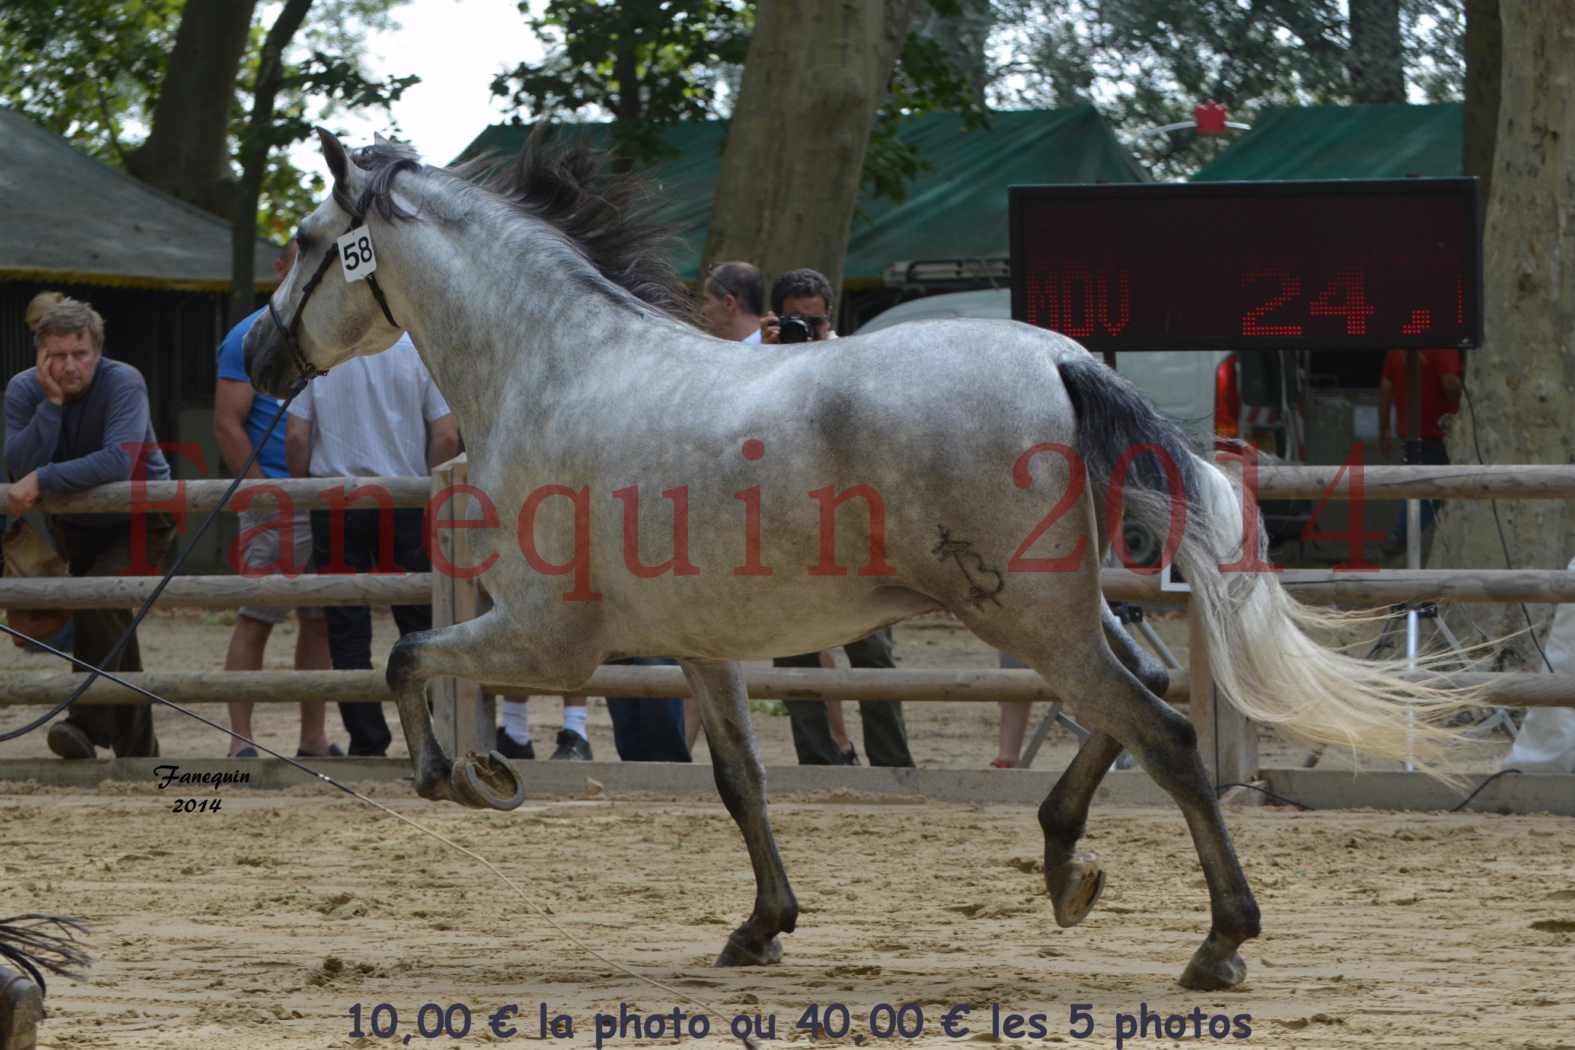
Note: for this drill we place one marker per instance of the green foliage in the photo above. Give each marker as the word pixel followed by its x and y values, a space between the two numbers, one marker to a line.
pixel 1146 63
pixel 332 84
pixel 656 64
pixel 926 81
pixel 90 70
pixel 647 64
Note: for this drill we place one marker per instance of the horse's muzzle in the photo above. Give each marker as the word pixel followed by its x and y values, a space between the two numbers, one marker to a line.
pixel 267 363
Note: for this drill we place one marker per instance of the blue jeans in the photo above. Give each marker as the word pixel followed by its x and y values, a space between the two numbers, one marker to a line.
pixel 648 730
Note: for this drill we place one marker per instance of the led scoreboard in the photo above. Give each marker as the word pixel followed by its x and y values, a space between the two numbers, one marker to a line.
pixel 1347 265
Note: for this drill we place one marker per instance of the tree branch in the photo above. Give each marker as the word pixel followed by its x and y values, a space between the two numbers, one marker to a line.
pixel 109 121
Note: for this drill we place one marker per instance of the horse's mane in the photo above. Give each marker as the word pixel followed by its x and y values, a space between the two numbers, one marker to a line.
pixel 607 216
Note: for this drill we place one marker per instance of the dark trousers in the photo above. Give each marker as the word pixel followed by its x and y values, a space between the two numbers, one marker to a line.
pixel 1429 453
pixel 648 730
pixel 350 626
pixel 107 551
pixel 885 736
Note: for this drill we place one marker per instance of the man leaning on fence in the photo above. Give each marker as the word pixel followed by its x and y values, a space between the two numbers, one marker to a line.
pixel 74 421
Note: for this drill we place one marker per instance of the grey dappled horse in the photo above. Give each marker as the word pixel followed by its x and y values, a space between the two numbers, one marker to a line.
pixel 979 456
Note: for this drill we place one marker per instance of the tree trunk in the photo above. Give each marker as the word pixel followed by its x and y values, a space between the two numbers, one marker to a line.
pixel 1374 65
pixel 795 150
pixel 187 152
pixel 627 112
pixel 256 142
pixel 1521 384
pixel 1484 70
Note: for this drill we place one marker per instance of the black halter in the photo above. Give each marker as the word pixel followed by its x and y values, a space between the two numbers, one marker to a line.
pixel 308 370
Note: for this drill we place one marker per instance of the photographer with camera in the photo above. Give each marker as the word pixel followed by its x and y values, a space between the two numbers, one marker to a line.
pixel 800 309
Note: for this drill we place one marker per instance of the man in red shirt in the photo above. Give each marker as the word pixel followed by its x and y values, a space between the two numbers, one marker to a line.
pixel 1440 389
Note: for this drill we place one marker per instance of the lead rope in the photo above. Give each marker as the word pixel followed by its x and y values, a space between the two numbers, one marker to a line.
pixel 530 901
pixel 96 672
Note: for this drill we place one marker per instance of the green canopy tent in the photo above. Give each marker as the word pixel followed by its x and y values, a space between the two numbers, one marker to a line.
pixel 956 209
pixel 1344 142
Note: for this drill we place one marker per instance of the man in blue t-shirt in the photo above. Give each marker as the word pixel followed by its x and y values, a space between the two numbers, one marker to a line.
pixel 271 540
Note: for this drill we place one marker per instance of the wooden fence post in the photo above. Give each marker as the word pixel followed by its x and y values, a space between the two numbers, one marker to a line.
pixel 462 714
pixel 441 692
pixel 1227 741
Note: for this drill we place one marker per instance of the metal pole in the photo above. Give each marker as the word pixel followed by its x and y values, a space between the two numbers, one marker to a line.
pixel 1413 517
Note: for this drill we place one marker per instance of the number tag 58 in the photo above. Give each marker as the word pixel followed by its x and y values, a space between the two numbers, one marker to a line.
pixel 356 257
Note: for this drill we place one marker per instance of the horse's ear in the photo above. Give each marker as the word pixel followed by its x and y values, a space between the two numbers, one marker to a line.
pixel 334 154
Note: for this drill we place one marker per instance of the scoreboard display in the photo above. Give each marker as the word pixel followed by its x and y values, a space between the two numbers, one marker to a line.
pixel 1339 265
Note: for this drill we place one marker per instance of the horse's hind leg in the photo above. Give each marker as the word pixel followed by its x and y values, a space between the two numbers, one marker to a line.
pixel 1074 880
pixel 1116 703
pixel 741 781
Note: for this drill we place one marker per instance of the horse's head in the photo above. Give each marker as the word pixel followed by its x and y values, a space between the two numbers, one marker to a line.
pixel 318 317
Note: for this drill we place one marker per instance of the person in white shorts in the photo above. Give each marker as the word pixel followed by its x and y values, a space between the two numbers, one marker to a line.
pixel 242 417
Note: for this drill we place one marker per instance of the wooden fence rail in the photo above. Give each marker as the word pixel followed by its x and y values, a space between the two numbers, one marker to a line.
pixel 216 592
pixel 1313 586
pixel 1528 481
pixel 42 688
pixel 201 496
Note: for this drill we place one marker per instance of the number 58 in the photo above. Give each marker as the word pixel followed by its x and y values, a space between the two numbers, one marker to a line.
pixel 357 252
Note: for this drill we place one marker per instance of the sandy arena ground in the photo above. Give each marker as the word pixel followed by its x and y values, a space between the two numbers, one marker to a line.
pixel 262 925
pixel 259 927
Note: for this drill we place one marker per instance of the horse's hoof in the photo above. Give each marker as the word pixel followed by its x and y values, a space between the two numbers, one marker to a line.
pixel 434 786
pixel 486 782
pixel 738 953
pixel 1207 972
pixel 1074 887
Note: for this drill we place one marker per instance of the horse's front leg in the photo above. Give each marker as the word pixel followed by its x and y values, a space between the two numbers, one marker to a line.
pixel 741 781
pixel 482 650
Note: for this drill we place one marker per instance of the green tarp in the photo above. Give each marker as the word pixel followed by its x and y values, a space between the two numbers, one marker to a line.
pixel 956 209
pixel 1344 142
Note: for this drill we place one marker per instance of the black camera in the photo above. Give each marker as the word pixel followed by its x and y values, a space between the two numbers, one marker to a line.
pixel 795 329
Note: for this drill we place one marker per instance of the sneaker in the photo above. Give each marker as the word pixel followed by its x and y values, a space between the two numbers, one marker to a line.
pixel 850 757
pixel 69 740
pixel 572 746
pixel 509 749
pixel 21 1008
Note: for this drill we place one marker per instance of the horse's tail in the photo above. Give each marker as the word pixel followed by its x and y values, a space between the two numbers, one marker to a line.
pixel 1260 654
pixel 36 943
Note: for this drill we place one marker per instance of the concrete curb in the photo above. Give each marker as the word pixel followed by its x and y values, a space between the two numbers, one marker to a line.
pixel 1315 788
